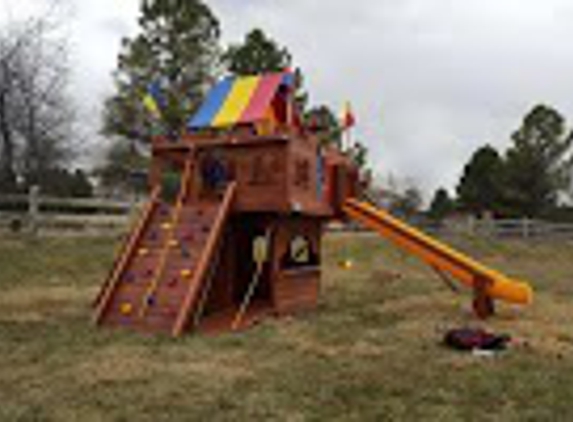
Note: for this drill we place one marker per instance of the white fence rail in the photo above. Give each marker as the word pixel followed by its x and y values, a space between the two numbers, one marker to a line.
pixel 500 228
pixel 34 213
pixel 98 205
pixel 521 228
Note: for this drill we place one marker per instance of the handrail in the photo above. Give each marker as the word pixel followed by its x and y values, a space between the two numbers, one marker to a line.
pixel 124 255
pixel 204 260
pixel 181 197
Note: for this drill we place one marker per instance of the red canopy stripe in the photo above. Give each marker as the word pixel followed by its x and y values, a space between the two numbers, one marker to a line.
pixel 261 97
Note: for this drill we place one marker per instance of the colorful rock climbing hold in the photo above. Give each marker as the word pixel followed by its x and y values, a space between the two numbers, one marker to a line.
pixel 173 242
pixel 166 226
pixel 150 300
pixel 143 251
pixel 186 272
pixel 126 308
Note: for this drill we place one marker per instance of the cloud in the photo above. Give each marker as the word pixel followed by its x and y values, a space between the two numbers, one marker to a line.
pixel 430 80
pixel 95 39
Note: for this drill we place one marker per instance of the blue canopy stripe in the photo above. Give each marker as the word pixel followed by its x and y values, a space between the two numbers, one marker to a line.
pixel 288 79
pixel 212 104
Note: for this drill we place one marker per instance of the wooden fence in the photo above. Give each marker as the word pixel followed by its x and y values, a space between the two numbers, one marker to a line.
pixel 511 228
pixel 34 213
pixel 501 228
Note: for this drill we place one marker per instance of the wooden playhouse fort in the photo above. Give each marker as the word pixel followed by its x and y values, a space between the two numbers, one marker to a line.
pixel 239 237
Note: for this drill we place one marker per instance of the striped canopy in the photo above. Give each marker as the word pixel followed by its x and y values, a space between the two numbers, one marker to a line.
pixel 237 100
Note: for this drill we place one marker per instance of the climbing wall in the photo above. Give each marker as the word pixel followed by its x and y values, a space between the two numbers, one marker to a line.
pixel 161 270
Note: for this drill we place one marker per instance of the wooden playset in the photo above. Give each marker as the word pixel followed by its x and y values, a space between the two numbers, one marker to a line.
pixel 232 231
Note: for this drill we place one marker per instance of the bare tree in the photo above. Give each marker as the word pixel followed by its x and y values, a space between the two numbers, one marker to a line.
pixel 401 195
pixel 36 117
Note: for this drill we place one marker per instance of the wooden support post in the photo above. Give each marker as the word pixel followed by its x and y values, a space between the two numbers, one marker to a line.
pixel 483 304
pixel 33 209
pixel 525 228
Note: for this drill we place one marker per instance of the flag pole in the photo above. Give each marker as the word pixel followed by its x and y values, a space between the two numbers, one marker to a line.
pixel 347 123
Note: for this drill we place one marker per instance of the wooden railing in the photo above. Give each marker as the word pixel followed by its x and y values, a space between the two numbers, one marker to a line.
pixel 124 256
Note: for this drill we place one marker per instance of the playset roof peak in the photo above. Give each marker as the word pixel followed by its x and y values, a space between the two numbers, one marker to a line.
pixel 242 99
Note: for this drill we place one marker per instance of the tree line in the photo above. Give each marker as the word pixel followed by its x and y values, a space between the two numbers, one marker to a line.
pixel 179 42
pixel 529 179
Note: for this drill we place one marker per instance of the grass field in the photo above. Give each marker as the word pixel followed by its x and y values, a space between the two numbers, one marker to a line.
pixel 369 352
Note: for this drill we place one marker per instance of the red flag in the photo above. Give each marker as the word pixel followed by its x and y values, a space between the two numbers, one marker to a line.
pixel 348 119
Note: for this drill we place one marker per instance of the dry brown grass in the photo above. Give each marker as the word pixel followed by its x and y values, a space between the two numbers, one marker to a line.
pixel 369 352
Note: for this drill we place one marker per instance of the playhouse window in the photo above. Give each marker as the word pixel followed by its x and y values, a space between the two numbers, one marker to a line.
pixel 214 172
pixel 299 253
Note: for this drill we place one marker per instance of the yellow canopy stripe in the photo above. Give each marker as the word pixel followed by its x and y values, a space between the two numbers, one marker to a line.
pixel 237 102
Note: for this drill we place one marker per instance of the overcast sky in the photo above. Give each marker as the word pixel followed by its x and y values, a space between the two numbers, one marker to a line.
pixel 429 80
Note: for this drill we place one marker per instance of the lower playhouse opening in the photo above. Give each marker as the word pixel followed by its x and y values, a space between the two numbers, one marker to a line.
pixel 268 265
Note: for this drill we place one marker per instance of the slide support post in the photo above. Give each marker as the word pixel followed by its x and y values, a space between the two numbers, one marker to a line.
pixel 483 303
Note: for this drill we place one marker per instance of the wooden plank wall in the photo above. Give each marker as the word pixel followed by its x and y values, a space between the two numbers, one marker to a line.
pixel 260 172
pixel 296 289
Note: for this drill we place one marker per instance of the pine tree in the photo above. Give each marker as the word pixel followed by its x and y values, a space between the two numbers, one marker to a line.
pixel 177 48
pixel 257 54
pixel 538 164
pixel 441 204
pixel 481 185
